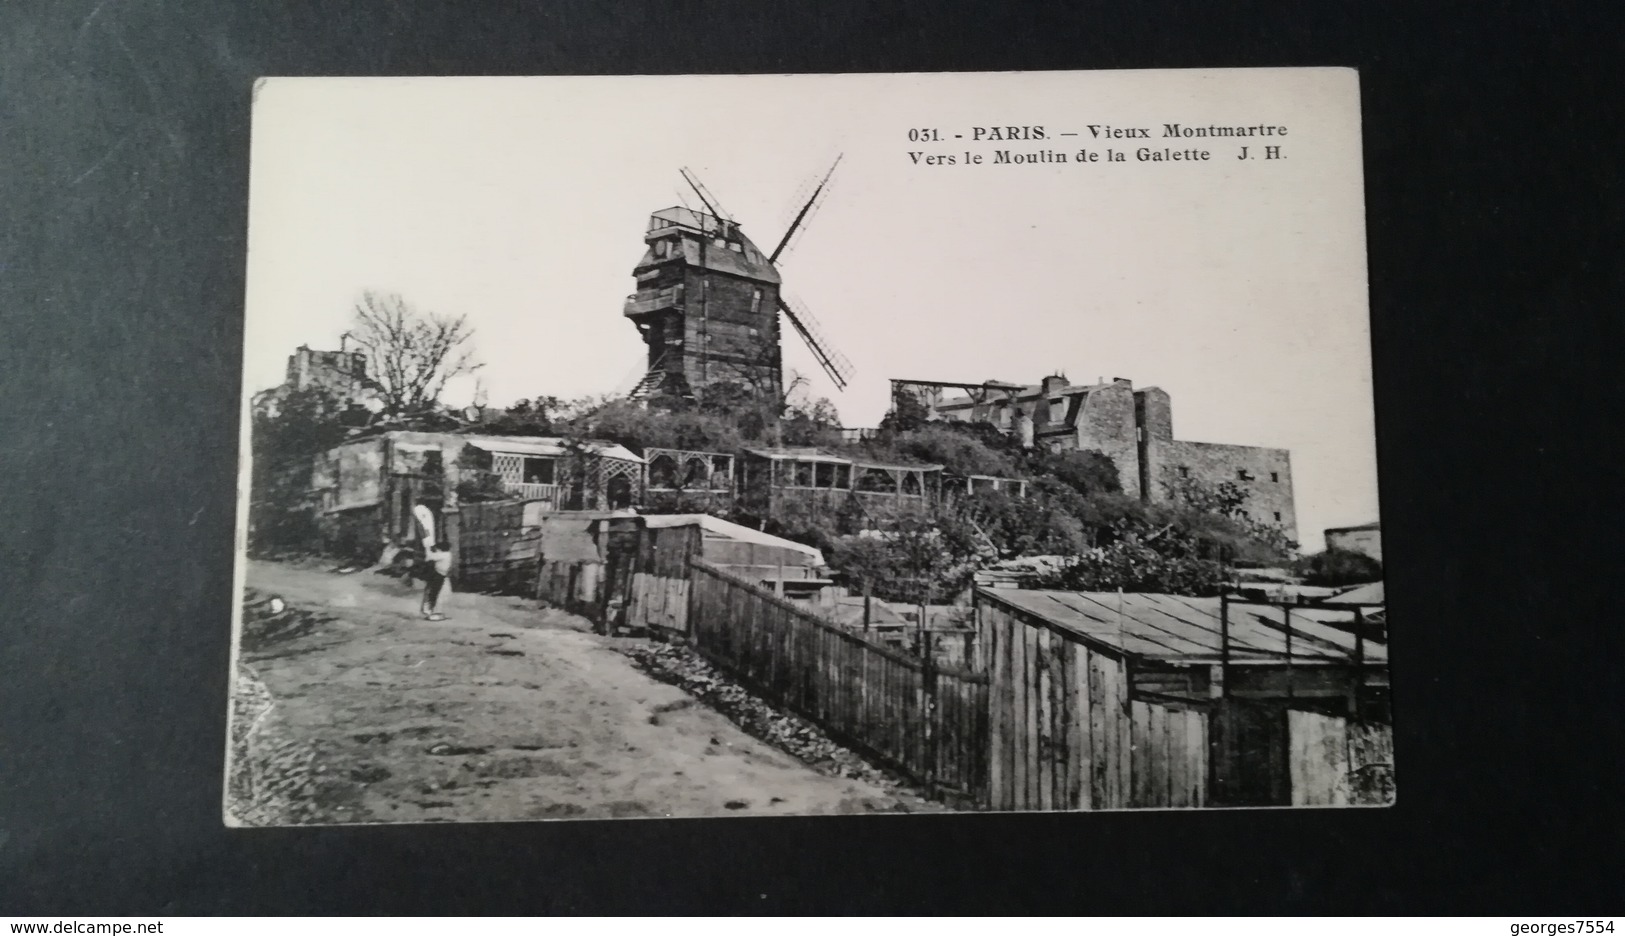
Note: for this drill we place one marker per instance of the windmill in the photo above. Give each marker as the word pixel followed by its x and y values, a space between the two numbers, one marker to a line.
pixel 709 301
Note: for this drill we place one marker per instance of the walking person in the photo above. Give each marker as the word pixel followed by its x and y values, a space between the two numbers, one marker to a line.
pixel 436 581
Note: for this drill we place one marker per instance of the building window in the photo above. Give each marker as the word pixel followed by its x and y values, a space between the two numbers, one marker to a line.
pixel 538 471
pixel 755 304
pixel 1275 476
pixel 1277 516
pixel 1243 475
pixel 1184 471
pixel 662 471
pixel 824 475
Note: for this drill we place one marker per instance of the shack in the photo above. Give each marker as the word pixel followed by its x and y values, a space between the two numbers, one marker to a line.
pixel 652 565
pixel 1114 701
pixel 365 488
pixel 776 481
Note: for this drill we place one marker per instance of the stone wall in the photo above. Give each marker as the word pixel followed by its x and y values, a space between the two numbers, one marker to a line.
pixel 1366 541
pixel 1264 473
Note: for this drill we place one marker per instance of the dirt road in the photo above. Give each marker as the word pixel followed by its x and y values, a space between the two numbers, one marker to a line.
pixel 503 712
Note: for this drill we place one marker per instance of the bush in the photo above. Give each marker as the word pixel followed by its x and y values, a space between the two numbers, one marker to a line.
pixel 921 559
pixel 1335 568
pixel 1083 470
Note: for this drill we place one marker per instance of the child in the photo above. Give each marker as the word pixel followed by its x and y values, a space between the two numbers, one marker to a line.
pixel 436 573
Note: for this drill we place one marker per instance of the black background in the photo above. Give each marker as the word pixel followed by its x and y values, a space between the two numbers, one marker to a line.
pixel 1492 147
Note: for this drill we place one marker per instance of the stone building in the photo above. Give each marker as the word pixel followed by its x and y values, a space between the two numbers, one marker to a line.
pixel 343 374
pixel 1134 428
pixel 1365 538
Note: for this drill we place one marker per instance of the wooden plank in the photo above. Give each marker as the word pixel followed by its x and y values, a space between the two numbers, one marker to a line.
pixel 1099 751
pixel 1077 728
pixel 1162 757
pixel 1317 759
pixel 1011 702
pixel 1119 703
pixel 1030 670
pixel 1141 753
pixel 1060 756
pixel 1110 793
pixel 998 649
pixel 1179 765
pixel 1044 775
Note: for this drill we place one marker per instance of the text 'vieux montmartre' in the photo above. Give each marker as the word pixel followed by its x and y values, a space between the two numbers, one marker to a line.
pixel 1253 141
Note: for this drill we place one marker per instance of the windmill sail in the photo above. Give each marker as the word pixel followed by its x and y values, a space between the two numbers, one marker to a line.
pixel 709 200
pixel 806 212
pixel 834 362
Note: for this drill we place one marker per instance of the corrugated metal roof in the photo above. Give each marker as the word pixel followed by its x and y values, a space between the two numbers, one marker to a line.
pixel 545 445
pixel 734 531
pixel 1179 629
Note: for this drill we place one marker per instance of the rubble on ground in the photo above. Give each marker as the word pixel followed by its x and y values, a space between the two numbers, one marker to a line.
pixel 684 668
pixel 268 621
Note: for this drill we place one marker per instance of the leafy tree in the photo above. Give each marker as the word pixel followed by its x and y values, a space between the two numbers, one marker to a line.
pixel 1085 471
pixel 958 452
pixel 1025 526
pixel 284 444
pixel 411 354
pixel 907 414
pixel 539 416
pixel 920 558
pixel 1166 560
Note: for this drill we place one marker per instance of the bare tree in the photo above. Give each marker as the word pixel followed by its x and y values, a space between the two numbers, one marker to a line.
pixel 410 353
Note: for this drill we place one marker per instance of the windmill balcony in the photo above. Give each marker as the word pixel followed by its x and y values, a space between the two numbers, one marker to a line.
pixel 645 301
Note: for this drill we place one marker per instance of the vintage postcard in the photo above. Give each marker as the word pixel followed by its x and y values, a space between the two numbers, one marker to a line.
pixel 803 445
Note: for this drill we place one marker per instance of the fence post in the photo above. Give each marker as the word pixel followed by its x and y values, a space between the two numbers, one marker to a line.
pixel 928 703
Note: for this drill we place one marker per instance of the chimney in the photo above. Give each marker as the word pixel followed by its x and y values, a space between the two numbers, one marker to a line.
pixel 1053 384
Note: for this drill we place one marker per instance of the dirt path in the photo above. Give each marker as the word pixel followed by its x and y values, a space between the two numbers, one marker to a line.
pixel 503 712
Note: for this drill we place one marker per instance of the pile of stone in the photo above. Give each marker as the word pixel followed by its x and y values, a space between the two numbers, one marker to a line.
pixel 681 666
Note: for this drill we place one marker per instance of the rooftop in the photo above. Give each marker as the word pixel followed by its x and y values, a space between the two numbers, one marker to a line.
pixel 546 446
pixel 821 455
pixel 1173 628
pixel 1373 525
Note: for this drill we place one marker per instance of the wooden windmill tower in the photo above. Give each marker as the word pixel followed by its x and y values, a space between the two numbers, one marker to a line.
pixel 709 299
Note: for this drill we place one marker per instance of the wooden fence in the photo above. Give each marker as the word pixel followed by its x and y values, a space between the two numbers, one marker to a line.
pixel 1066 731
pixel 928 722
pixel 1339 762
pixel 495 551
pixel 658 597
pixel 574 585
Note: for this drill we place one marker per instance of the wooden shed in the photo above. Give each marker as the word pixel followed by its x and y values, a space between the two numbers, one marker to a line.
pixel 652 569
pixel 1118 701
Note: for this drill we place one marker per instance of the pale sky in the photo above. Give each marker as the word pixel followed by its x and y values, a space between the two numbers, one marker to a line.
pixel 1237 286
